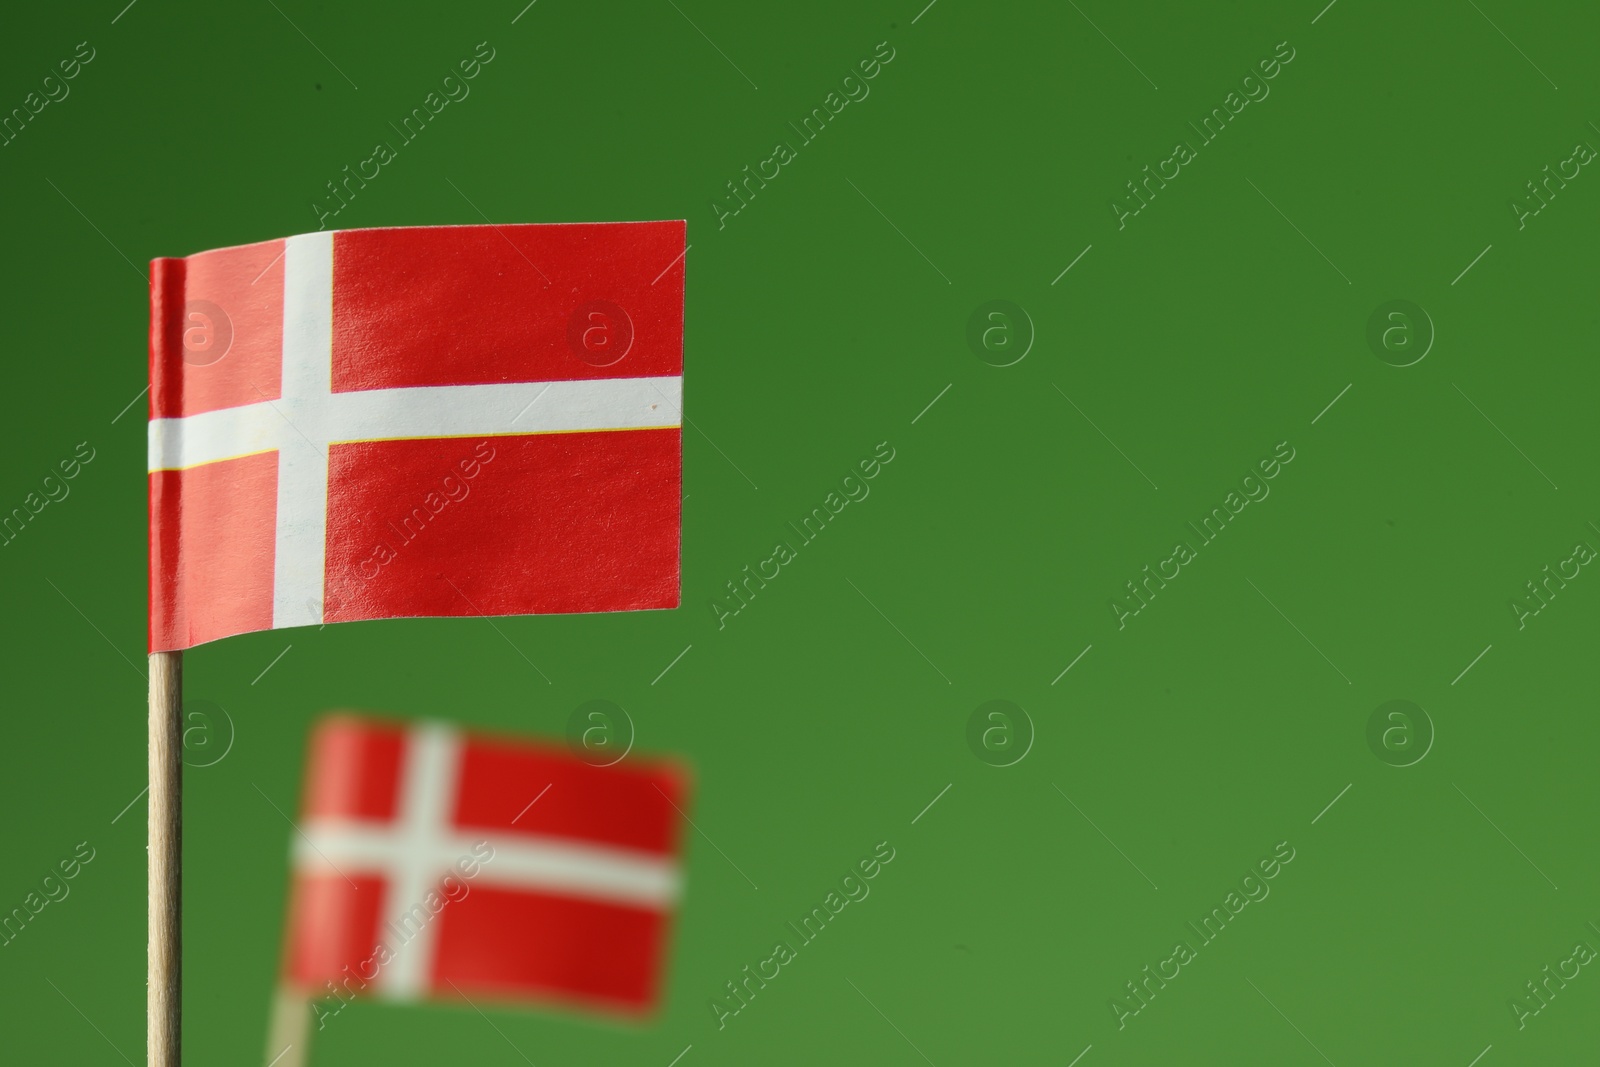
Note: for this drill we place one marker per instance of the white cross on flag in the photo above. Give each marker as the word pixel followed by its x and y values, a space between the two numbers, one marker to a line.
pixel 432 864
pixel 427 421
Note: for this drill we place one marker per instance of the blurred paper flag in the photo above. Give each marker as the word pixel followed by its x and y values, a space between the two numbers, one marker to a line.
pixel 322 408
pixel 435 864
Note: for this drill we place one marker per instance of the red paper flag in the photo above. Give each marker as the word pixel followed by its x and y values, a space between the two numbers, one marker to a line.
pixel 432 864
pixel 432 421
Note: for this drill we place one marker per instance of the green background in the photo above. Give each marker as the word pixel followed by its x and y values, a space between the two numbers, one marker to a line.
pixel 828 714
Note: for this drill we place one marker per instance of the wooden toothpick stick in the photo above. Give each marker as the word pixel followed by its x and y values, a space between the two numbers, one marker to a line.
pixel 164 996
pixel 289 1038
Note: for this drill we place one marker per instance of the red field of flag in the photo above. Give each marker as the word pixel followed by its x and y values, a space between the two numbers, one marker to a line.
pixel 436 864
